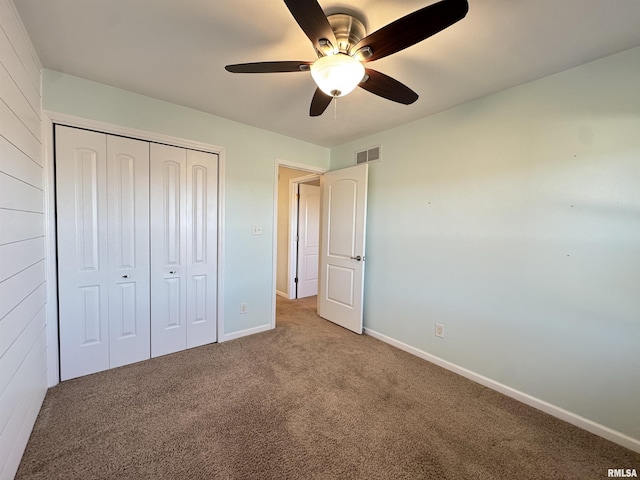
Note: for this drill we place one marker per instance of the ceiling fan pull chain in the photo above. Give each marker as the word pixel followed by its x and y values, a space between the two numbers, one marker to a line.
pixel 335 110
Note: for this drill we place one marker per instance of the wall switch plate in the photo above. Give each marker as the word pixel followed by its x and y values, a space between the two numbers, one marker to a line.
pixel 439 330
pixel 256 230
pixel 243 308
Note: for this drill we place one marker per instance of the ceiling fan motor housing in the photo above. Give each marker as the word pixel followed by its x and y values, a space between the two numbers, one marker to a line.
pixel 348 30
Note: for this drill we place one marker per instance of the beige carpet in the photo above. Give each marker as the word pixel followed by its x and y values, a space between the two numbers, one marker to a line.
pixel 308 400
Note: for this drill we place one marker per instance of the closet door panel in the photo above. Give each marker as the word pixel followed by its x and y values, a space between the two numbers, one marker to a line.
pixel 128 211
pixel 202 181
pixel 168 249
pixel 81 196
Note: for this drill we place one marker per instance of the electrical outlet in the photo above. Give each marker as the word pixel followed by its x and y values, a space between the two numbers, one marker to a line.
pixel 243 308
pixel 439 330
pixel 256 230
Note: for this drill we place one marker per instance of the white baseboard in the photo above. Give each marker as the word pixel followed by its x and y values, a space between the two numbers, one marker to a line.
pixel 558 412
pixel 244 333
pixel 282 294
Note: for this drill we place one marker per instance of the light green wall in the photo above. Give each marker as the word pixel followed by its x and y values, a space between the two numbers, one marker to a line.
pixel 250 165
pixel 514 220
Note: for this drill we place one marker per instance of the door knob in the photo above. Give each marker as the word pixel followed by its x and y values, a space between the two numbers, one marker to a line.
pixel 172 272
pixel 358 258
pixel 125 276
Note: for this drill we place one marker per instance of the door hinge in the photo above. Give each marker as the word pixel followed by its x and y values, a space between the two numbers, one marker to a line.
pixel 296 280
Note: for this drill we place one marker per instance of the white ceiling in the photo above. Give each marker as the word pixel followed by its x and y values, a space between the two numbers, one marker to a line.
pixel 176 50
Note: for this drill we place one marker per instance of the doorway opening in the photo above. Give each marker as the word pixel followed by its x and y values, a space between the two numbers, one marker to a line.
pixel 297 226
pixel 298 233
pixel 342 228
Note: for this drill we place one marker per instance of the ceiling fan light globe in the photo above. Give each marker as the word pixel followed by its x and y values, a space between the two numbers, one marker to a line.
pixel 337 75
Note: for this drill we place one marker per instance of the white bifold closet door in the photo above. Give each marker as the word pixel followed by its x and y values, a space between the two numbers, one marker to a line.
pixel 102 188
pixel 137 249
pixel 183 248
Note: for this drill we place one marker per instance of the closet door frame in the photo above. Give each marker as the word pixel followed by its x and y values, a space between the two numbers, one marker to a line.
pixel 49 120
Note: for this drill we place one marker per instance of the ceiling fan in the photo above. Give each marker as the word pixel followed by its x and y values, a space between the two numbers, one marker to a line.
pixel 342 47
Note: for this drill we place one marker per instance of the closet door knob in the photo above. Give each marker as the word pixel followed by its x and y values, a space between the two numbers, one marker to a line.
pixel 125 276
pixel 172 272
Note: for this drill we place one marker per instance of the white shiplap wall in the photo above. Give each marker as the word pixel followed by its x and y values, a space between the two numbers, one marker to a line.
pixel 23 366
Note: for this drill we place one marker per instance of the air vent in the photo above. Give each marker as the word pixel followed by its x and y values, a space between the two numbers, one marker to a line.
pixel 370 155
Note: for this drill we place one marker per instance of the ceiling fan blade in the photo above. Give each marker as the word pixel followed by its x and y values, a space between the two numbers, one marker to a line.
pixel 269 67
pixel 319 103
pixel 386 87
pixel 312 21
pixel 413 28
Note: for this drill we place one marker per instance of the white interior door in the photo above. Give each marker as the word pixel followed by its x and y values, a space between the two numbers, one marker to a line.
pixel 103 260
pixel 342 253
pixel 202 254
pixel 128 247
pixel 126 295
pixel 308 240
pixel 183 248
pixel 168 253
pixel 81 189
